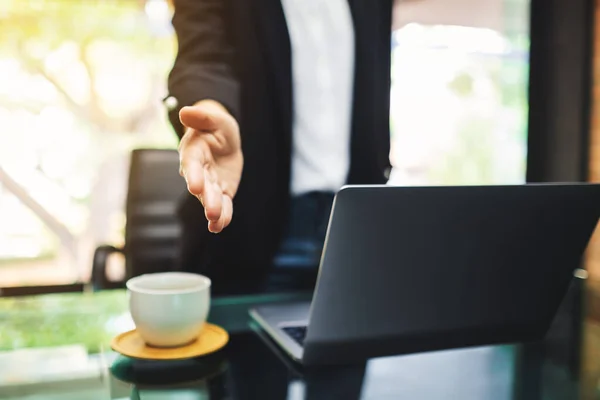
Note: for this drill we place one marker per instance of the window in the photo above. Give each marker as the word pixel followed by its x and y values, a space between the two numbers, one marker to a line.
pixel 81 84
pixel 459 92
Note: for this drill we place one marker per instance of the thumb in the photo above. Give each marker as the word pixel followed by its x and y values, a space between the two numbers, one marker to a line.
pixel 201 117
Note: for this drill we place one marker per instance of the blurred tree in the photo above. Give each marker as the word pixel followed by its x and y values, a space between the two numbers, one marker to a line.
pixel 473 159
pixel 462 84
pixel 87 78
pixel 48 36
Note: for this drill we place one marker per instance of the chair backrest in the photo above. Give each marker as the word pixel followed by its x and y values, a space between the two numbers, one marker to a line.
pixel 152 228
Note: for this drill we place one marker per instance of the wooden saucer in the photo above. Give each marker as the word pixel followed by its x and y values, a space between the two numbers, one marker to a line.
pixel 131 344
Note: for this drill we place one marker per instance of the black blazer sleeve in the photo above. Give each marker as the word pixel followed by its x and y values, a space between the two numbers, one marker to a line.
pixel 203 67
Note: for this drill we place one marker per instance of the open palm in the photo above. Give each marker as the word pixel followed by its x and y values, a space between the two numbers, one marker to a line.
pixel 211 159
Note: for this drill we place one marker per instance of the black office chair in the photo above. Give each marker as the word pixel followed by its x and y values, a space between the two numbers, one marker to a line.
pixel 152 229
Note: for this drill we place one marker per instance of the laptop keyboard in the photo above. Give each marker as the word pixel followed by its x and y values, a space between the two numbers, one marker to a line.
pixel 298 333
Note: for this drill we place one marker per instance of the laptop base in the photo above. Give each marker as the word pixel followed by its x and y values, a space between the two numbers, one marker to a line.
pixel 282 322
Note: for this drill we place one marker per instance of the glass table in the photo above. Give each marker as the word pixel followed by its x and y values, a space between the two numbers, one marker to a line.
pixel 57 347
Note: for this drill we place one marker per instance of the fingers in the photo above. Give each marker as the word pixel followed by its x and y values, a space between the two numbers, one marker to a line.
pixel 191 165
pixel 212 200
pixel 218 207
pixel 226 215
pixel 193 172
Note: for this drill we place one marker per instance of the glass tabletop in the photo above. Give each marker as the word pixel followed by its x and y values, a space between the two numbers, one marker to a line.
pixel 58 347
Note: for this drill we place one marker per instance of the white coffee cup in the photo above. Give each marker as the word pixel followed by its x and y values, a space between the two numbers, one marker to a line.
pixel 169 309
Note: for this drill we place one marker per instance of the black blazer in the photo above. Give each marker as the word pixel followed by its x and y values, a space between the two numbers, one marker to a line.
pixel 238 52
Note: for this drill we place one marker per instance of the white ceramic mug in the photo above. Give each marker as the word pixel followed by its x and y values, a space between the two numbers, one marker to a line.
pixel 169 309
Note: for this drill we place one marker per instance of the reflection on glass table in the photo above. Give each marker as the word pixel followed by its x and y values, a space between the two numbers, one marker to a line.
pixel 57 347
pixel 62 342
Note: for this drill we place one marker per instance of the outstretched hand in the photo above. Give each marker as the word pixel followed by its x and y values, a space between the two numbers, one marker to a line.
pixel 211 159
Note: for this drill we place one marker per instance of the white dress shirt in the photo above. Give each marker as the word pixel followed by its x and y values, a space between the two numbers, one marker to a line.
pixel 322 43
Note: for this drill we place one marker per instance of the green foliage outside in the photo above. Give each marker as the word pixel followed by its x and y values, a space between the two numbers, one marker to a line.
pixel 475 159
pixel 57 320
pixel 81 83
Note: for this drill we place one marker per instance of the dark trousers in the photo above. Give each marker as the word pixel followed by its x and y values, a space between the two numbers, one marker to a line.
pixel 296 265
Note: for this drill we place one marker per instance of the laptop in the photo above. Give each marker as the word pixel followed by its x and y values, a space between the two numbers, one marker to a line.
pixel 413 269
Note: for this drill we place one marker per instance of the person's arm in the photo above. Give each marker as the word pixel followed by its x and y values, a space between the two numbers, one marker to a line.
pixel 203 66
pixel 206 95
